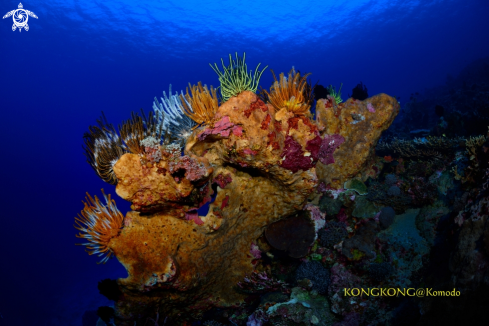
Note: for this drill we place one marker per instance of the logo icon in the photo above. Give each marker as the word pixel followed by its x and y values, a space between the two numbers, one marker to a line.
pixel 20 17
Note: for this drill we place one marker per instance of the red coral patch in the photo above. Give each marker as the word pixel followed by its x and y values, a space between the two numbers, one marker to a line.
pixel 294 123
pixel 272 140
pixel 266 122
pixel 258 104
pixel 294 156
pixel 225 202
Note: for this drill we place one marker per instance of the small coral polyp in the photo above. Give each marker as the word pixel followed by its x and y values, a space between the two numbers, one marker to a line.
pixel 262 163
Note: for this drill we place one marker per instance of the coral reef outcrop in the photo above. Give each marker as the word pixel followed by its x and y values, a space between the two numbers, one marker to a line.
pixel 175 256
pixel 254 165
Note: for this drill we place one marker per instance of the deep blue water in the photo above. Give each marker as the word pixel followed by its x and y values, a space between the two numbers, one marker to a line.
pixel 81 57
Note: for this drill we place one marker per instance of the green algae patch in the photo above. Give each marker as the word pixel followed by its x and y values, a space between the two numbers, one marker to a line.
pixel 357 185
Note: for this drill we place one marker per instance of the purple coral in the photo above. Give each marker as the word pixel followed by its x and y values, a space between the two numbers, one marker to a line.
pixel 255 251
pixel 314 146
pixel 296 159
pixel 329 144
pixel 256 319
pixel 294 156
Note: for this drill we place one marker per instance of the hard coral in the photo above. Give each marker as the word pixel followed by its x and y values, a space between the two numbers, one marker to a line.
pixel 378 193
pixel 394 191
pixel 330 206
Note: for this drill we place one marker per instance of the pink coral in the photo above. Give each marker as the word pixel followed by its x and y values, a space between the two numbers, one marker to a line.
pixel 317 217
pixel 193 215
pixel 222 127
pixel 255 251
pixel 249 151
pixel 370 107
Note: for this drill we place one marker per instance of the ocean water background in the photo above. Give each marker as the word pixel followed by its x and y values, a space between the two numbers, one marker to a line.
pixel 83 57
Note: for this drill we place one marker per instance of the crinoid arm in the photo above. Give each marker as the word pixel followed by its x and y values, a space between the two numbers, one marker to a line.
pixel 235 78
pixel 98 224
pixel 176 122
pixel 103 147
pixel 136 129
pixel 334 94
pixel 293 93
pixel 200 104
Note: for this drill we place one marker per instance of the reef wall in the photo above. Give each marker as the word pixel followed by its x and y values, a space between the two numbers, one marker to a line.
pixel 263 166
